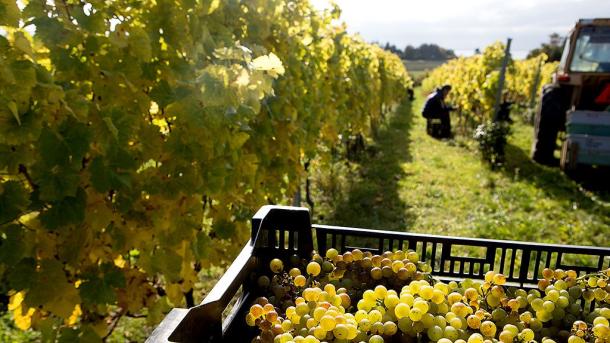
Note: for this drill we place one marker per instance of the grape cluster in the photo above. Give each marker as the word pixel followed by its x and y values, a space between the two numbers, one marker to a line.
pixel 360 297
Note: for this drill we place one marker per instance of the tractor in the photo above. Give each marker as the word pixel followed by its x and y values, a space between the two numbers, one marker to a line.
pixel 577 102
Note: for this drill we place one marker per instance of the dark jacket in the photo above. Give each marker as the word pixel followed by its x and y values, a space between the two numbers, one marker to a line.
pixel 435 106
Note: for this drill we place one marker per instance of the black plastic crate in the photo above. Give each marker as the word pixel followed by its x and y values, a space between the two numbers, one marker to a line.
pixel 281 231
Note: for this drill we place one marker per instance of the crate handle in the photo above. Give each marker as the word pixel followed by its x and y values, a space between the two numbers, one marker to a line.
pixel 204 321
pixel 274 217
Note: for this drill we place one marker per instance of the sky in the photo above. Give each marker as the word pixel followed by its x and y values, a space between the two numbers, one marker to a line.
pixel 464 25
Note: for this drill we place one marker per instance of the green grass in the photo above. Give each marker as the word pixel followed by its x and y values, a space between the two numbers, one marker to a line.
pixel 408 181
pixel 412 182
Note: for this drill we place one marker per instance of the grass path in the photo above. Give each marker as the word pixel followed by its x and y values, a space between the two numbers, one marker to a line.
pixel 412 182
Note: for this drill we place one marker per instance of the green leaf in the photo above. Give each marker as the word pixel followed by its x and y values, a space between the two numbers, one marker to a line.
pixel 57 183
pixel 215 85
pixel 162 94
pixel 94 22
pixel 68 335
pixel 114 173
pixel 11 248
pixel 167 263
pixel 224 228
pixel 9 13
pixel 139 44
pixel 14 200
pixel 76 137
pixel 88 335
pixel 52 291
pixel 23 274
pixel 70 210
pixel 95 291
pixel 13 107
pixel 53 151
pixel 201 245
pixel 113 276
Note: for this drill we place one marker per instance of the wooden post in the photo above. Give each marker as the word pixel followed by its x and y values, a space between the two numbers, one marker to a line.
pixel 501 81
pixel 536 82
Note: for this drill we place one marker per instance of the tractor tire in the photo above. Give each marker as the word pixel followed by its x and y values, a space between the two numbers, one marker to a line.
pixel 550 117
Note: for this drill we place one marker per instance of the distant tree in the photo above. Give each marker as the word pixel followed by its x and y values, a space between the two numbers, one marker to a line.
pixel 427 52
pixel 392 48
pixel 552 49
pixel 477 51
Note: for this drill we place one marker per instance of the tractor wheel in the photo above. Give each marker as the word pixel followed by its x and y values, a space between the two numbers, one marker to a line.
pixel 548 120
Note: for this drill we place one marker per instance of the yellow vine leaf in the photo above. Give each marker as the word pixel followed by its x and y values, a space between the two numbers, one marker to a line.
pixel 119 261
pixel 269 63
pixel 23 320
pixel 73 319
pixel 15 300
pixel 174 293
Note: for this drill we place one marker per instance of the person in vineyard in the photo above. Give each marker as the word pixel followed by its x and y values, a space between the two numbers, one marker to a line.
pixel 435 110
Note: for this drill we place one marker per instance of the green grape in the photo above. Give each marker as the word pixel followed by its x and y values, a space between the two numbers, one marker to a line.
pixel 276 265
pixel 405 324
pixel 527 335
pixel 499 279
pixel 473 321
pixel 376 273
pixel 450 333
pixel 456 323
pixel 601 331
pixel 421 305
pixel 427 320
pixel 364 324
pixel 599 294
pixel 488 328
pixel 475 338
pixel 319 332
pixel 389 328
pixel 415 314
pixel 313 268
pixel 327 322
pixel 525 317
pixel 413 256
pixel 552 295
pixel 601 320
pixel 506 337
pixel 341 331
pixel 375 316
pixel 327 267
pixel 401 310
pixel 535 324
pixel 575 339
pixel 512 329
pixel 435 333
pixel 332 253
pixel 493 300
pixel 391 301
pixel 426 292
pixel 437 296
pixel 302 309
pixel 498 314
pixel 440 321
pixel 376 339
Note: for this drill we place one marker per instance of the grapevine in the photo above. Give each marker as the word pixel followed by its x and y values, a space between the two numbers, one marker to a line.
pixel 474 82
pixel 136 139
